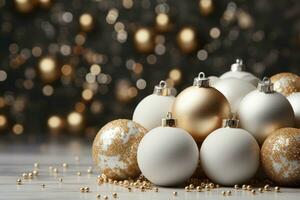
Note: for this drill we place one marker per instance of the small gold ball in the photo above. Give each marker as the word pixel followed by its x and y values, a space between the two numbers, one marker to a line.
pixel 82 189
pixel 249 187
pixel 260 190
pixel 114 195
pixel 267 187
pixel 129 189
pixel 25 175
pixel 236 186
pixel 217 185
pixel 175 193
pixel 36 165
pixel 98 196
pixel 191 186
pixel 253 191
pixel 277 189
pixel 65 165
pixel 244 187
pixel 187 189
pixel 86 189
pixel 55 170
pixel 105 197
pixel 198 188
pixel 35 172
pixel 228 192
pixel 19 181
pixel 89 171
pixel 30 175
pixel 223 193
pixel 207 188
pixel 211 185
pixel 156 189
pixel 78 173
pixel 61 179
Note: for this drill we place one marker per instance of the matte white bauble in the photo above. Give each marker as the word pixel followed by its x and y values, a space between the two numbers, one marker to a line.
pixel 167 156
pixel 154 107
pixel 213 80
pixel 294 99
pixel 234 90
pixel 230 155
pixel 237 72
pixel 262 111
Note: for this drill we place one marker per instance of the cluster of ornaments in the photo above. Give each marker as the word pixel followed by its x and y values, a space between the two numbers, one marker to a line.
pixel 230 124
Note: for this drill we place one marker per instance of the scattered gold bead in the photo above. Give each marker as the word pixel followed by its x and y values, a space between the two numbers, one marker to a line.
pixel 249 187
pixel 191 186
pixel 30 175
pixel 36 165
pixel 198 188
pixel 65 165
pixel 253 191
pixel 86 189
pixel 142 188
pixel 223 193
pixel 78 173
pixel 35 172
pixel 19 182
pixel 156 189
pixel 211 185
pixel 98 196
pixel 260 190
pixel 114 195
pixel 187 189
pixel 236 186
pixel 50 168
pixel 267 187
pixel 55 170
pixel 175 193
pixel 277 189
pixel 105 197
pixel 89 171
pixel 217 185
pixel 228 193
pixel 61 179
pixel 207 188
pixel 129 189
pixel 82 189
pixel 244 187
pixel 25 175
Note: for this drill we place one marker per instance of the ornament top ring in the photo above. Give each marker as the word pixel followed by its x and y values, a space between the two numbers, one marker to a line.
pixel 266 86
pixel 162 89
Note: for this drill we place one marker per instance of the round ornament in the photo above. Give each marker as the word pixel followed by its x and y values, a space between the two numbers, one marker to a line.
pixel 262 111
pixel 294 100
pixel 230 155
pixel 115 148
pixel 167 156
pixel 234 90
pixel 280 155
pixel 154 107
pixel 286 83
pixel 199 109
pixel 237 72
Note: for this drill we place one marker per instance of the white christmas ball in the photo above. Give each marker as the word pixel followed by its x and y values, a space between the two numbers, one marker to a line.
pixel 246 76
pixel 234 90
pixel 262 113
pixel 167 156
pixel 230 156
pixel 213 80
pixel 152 109
pixel 294 100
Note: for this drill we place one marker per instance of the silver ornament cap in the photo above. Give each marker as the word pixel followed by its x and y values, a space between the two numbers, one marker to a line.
pixel 266 86
pixel 230 123
pixel 201 80
pixel 168 121
pixel 162 89
pixel 237 66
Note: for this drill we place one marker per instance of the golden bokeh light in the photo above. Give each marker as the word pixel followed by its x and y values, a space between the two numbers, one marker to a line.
pixel 55 122
pixel 18 129
pixel 86 22
pixel 143 39
pixel 48 69
pixel 162 22
pixel 206 7
pixel 87 94
pixel 75 119
pixel 175 75
pixel 3 121
pixel 187 39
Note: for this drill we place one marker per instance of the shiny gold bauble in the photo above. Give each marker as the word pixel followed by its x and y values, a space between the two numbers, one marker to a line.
pixel 286 83
pixel 86 22
pixel 25 6
pixel 162 21
pixel 206 7
pixel 200 110
pixel 48 69
pixel 144 40
pixel 115 149
pixel 187 40
pixel 280 156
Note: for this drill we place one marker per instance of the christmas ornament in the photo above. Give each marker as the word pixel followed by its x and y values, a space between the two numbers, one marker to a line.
pixel 200 108
pixel 162 22
pixel 144 40
pixel 154 107
pixel 237 72
pixel 206 7
pixel 230 155
pixel 167 155
pixel 234 90
pixel 286 83
pixel 262 111
pixel 187 40
pixel 280 156
pixel 294 100
pixel 115 148
pixel 86 22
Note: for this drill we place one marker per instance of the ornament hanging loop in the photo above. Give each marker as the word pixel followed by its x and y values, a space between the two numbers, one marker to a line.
pixel 201 80
pixel 237 66
pixel 168 121
pixel 162 89
pixel 266 86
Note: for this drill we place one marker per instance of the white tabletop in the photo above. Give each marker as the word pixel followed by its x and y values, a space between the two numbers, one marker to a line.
pixel 17 159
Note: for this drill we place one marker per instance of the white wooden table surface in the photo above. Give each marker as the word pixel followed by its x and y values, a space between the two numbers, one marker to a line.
pixel 16 159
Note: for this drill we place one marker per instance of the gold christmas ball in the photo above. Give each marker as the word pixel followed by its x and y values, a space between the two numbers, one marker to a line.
pixel 144 40
pixel 25 6
pixel 200 109
pixel 48 69
pixel 162 22
pixel 187 40
pixel 286 83
pixel 86 22
pixel 280 156
pixel 115 149
pixel 206 7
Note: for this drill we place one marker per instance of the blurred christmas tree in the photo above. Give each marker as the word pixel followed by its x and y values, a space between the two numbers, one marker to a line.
pixel 71 66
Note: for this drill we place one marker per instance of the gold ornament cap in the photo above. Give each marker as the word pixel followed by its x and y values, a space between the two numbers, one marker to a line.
pixel 237 66
pixel 168 121
pixel 201 80
pixel 266 86
pixel 162 89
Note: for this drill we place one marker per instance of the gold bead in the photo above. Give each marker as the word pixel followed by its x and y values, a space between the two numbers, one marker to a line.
pixel 35 172
pixel 175 193
pixel 207 188
pixel 187 189
pixel 105 197
pixel 114 195
pixel 89 171
pixel 19 181
pixel 65 165
pixel 55 170
pixel 244 187
pixel 223 193
pixel 198 188
pixel 267 187
pixel 129 189
pixel 78 173
pixel 86 189
pixel 211 185
pixel 30 175
pixel 217 185
pixel 228 192
pixel 277 189
pixel 142 188
pixel 82 189
pixel 36 165
pixel 191 186
pixel 260 190
pixel 253 191
pixel 236 186
pixel 50 168
pixel 25 175
pixel 156 189
pixel 98 196
pixel 61 179
pixel 249 187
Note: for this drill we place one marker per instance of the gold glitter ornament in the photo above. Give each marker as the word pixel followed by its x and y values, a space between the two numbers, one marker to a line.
pixel 286 83
pixel 200 109
pixel 280 155
pixel 115 149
